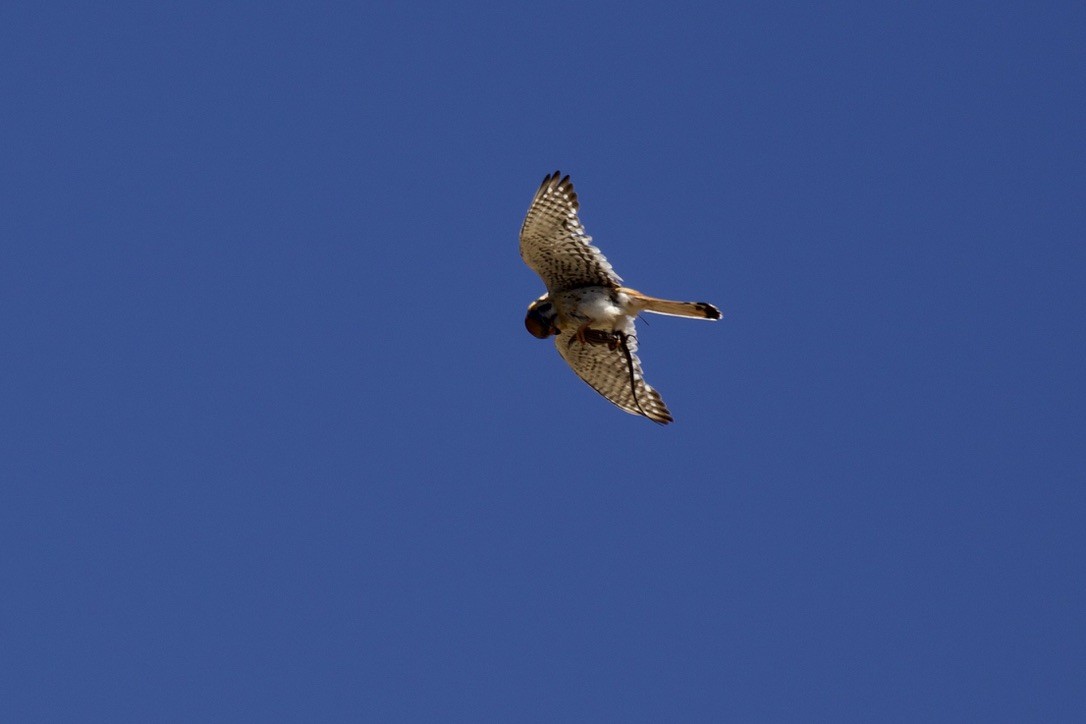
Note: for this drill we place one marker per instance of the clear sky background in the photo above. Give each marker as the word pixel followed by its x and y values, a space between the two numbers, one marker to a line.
pixel 275 445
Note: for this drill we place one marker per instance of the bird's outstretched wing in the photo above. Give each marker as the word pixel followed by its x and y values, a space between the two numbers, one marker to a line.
pixel 554 244
pixel 609 364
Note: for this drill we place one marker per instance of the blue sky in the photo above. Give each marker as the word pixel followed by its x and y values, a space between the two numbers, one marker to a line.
pixel 278 448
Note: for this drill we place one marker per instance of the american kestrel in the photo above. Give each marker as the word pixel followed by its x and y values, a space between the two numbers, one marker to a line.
pixel 587 310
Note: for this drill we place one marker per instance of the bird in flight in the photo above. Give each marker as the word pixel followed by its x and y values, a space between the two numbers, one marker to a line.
pixel 586 308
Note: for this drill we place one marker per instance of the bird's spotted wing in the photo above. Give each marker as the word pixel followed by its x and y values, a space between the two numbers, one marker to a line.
pixel 554 244
pixel 613 369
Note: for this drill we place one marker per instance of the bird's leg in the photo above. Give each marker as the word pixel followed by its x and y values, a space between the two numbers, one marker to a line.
pixel 611 339
pixel 598 336
pixel 579 335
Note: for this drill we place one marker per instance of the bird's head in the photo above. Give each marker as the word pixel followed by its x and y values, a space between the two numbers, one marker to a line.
pixel 540 318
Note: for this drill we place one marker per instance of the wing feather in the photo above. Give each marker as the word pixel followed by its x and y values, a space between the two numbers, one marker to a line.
pixel 614 374
pixel 554 243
